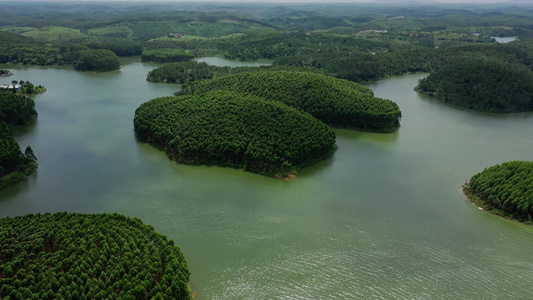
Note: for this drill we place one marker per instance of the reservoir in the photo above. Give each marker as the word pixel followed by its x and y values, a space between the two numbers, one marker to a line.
pixel 383 218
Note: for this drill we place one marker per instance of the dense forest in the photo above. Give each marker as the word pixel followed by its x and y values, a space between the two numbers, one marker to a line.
pixel 482 83
pixel 100 60
pixel 88 256
pixel 336 102
pixel 356 42
pixel 15 166
pixel 183 72
pixel 234 129
pixel 16 109
pixel 506 189
pixel 166 55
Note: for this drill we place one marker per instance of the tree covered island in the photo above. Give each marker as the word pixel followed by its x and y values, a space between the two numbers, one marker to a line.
pixel 230 128
pixel 336 102
pixel 88 256
pixel 505 189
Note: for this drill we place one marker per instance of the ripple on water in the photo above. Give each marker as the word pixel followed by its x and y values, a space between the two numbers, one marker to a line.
pixel 372 273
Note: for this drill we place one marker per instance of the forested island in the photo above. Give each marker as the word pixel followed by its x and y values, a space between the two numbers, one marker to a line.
pixel 505 189
pixel 15 165
pixel 234 129
pixel 482 83
pixel 336 102
pixel 88 256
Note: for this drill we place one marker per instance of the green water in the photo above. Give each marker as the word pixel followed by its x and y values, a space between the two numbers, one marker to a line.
pixel 384 218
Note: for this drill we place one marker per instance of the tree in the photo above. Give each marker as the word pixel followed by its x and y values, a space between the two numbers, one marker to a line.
pixel 100 60
pixel 29 153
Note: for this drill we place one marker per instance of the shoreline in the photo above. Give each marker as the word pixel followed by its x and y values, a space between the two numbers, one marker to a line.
pixel 482 205
pixel 19 175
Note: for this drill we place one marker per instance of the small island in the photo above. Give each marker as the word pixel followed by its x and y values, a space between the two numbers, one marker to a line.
pixel 5 73
pixel 229 128
pixel 88 256
pixel 23 87
pixel 336 102
pixel 506 190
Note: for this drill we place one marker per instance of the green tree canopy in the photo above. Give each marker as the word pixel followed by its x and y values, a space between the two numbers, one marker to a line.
pixel 41 255
pixel 16 109
pixel 235 129
pixel 337 102
pixel 166 55
pixel 100 60
pixel 506 187
pixel 482 83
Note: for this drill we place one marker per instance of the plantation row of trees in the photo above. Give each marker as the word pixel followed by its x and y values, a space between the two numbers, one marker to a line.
pixel 482 83
pixel 507 188
pixel 88 256
pixel 183 72
pixel 230 128
pixel 166 55
pixel 336 102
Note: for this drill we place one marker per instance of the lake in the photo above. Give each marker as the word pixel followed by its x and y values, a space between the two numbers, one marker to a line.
pixel 383 218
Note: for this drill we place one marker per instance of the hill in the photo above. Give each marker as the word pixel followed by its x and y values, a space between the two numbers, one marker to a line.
pixel 337 102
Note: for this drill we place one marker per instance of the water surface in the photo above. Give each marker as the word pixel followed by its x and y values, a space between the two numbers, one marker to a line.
pixel 384 218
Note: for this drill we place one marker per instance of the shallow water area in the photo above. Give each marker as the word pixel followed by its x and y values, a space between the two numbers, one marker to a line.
pixel 383 218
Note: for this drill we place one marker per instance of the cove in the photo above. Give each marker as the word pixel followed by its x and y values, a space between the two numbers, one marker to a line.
pixel 384 218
